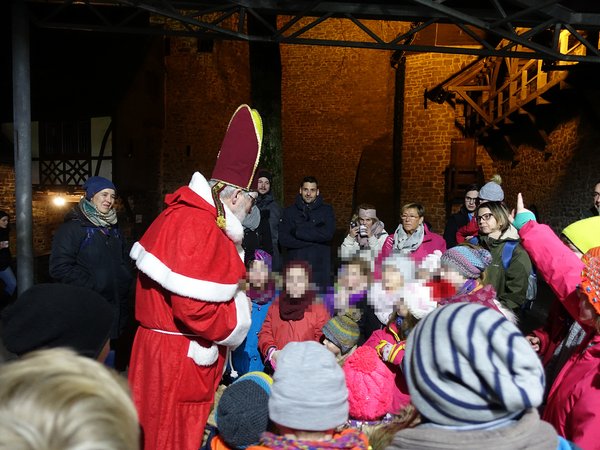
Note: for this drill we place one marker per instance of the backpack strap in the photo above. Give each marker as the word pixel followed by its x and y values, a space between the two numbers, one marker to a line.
pixel 507 253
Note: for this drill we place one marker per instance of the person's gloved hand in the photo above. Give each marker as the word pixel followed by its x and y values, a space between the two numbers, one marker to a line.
pixel 522 215
pixel 388 352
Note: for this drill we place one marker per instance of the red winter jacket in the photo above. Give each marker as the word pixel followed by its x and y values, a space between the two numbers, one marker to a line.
pixel 277 332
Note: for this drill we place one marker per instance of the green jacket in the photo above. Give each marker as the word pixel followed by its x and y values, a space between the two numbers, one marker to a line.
pixel 510 284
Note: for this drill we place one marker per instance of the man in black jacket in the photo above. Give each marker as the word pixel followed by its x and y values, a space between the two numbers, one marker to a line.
pixel 270 212
pixel 463 216
pixel 306 230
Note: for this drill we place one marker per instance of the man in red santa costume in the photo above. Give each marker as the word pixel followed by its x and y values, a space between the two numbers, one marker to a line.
pixel 188 301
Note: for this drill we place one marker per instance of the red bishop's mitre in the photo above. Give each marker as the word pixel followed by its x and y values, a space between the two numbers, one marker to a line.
pixel 240 151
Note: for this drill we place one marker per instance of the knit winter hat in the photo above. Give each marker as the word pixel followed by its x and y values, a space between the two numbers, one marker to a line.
pixel 419 299
pixel 468 261
pixel 491 191
pixel 370 384
pixel 466 364
pixel 3 214
pixel 309 389
pixel 584 233
pixel 264 173
pixel 57 315
pixel 590 277
pixel 243 410
pixel 343 330
pixel 403 264
pixel 261 255
pixel 93 185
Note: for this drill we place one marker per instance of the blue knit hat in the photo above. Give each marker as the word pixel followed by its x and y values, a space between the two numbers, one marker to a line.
pixel 468 261
pixel 465 364
pixel 93 185
pixel 243 410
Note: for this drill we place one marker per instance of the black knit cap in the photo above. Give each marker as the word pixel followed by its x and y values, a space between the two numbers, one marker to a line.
pixel 57 315
pixel 264 173
pixel 243 410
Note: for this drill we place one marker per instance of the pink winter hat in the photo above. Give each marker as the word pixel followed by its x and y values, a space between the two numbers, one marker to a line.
pixel 370 384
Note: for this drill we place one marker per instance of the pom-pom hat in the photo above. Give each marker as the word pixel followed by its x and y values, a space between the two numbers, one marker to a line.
pixel 370 384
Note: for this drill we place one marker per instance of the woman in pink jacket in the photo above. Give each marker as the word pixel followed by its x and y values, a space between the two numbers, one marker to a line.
pixel 572 404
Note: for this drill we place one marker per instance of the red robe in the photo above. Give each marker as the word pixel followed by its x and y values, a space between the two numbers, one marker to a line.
pixel 190 310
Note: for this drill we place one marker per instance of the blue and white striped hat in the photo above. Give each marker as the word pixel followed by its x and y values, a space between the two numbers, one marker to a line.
pixel 465 364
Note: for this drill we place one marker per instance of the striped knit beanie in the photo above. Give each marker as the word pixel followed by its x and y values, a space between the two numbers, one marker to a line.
pixel 590 277
pixel 468 261
pixel 465 364
pixel 243 410
pixel 343 330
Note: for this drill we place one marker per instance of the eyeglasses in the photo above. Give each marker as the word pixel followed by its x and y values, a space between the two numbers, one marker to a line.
pixel 484 217
pixel 408 217
pixel 252 198
pixel 596 194
pixel 471 199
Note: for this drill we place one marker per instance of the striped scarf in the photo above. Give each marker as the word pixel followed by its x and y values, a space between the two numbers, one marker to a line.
pixel 96 217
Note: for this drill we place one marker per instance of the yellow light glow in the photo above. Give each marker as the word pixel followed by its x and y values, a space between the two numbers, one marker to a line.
pixel 59 201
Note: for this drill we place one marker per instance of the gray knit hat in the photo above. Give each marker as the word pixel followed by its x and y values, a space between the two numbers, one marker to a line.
pixel 492 192
pixel 466 364
pixel 309 389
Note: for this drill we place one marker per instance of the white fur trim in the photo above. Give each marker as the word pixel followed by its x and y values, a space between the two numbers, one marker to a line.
pixel 243 311
pixel 180 284
pixel 203 356
pixel 233 226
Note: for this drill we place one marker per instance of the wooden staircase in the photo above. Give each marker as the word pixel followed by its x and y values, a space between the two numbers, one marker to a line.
pixel 494 91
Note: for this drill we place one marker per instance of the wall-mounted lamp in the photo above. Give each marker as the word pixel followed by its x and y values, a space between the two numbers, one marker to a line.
pixel 59 201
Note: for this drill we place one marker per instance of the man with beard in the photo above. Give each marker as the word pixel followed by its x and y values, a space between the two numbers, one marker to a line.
pixel 188 299
pixel 306 230
pixel 270 212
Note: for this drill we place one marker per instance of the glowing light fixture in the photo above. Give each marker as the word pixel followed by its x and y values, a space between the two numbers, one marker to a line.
pixel 59 201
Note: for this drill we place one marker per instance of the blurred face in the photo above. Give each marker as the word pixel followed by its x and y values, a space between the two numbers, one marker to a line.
pixel 258 273
pixel 487 223
pixel 391 279
pixel 471 200
pixel 352 278
pixel 597 196
pixel 452 276
pixel 4 222
pixel 309 192
pixel 411 220
pixel 332 347
pixel 296 282
pixel 104 200
pixel 264 185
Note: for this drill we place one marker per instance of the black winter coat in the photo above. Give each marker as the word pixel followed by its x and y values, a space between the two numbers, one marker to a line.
pixel 94 257
pixel 5 257
pixel 306 231
pixel 456 221
pixel 270 212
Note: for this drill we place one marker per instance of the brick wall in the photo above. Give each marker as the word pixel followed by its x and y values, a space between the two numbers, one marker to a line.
pixel 336 103
pixel 202 90
pixel 428 133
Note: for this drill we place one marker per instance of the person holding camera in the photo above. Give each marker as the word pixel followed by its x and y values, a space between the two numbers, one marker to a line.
pixel 366 235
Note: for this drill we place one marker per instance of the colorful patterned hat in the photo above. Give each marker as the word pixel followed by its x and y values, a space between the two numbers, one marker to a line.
pixel 590 277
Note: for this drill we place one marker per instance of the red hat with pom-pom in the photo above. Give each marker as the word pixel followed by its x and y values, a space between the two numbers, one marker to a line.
pixel 370 384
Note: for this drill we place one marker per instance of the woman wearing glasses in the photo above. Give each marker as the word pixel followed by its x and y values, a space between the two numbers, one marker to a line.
pixel 510 268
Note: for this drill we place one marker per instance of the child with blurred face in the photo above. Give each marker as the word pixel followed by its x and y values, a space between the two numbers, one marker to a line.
pixel 295 316
pixel 262 292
